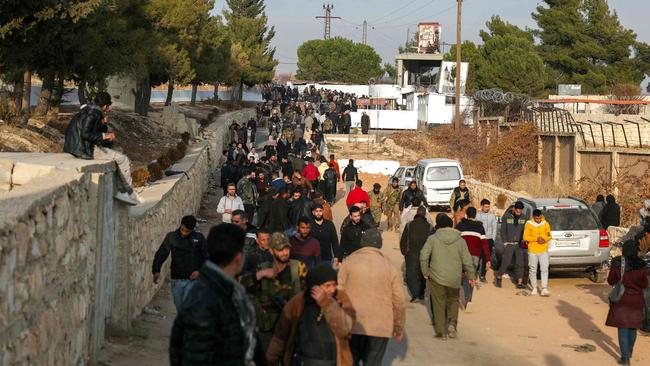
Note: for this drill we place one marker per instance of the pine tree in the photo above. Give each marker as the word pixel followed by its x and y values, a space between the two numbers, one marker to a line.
pixel 252 57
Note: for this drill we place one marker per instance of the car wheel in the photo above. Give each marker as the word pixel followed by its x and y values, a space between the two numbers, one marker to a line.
pixel 598 275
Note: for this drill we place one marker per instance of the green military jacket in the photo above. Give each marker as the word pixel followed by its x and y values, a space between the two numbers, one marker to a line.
pixel 273 294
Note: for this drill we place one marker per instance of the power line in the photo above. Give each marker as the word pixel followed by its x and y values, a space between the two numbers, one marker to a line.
pixel 419 20
pixel 409 13
pixel 393 12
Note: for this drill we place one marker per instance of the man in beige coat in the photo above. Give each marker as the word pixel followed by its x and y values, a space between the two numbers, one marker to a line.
pixel 376 293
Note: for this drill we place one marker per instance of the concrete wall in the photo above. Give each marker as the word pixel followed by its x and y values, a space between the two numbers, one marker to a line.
pixel 74 262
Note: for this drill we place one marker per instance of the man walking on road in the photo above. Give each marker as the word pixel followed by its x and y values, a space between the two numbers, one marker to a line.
pixel 305 247
pixel 330 177
pixel 390 204
pixel 350 176
pixel 460 193
pixel 351 233
pixel 275 283
pixel 324 231
pixel 443 259
pixel 489 221
pixel 216 323
pixel 188 250
pixel 512 230
pixel 365 123
pixel 375 202
pixel 537 234
pixel 411 193
pixel 413 238
pixel 375 291
pixel 357 194
pixel 229 203
pixel 246 191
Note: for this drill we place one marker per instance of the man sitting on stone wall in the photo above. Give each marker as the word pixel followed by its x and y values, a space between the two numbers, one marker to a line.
pixel 87 137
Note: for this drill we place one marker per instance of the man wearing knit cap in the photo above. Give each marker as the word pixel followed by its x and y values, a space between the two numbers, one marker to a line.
pixel 314 327
pixel 375 291
pixel 443 260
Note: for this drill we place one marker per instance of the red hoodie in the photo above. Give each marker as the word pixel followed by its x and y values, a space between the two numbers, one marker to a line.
pixel 310 172
pixel 357 195
pixel 474 234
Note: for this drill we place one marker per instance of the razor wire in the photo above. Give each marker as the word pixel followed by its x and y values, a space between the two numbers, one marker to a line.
pixel 498 96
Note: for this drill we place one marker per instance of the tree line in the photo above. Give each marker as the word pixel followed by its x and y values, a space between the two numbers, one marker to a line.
pixel 576 42
pixel 178 42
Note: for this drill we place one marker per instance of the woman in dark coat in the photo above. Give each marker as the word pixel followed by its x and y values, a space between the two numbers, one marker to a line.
pixel 627 314
pixel 611 214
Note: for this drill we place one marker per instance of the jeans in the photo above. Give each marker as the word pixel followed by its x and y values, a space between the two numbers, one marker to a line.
pixel 349 185
pixel 180 288
pixel 542 259
pixel 445 306
pixel 626 339
pixel 367 349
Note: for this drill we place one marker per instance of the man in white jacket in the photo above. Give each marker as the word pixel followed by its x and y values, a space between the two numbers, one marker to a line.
pixel 229 203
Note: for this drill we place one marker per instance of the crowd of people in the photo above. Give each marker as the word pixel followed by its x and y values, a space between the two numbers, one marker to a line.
pixel 321 110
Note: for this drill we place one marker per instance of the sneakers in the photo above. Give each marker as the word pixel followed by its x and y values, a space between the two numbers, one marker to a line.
pixel 134 196
pixel 497 282
pixel 624 361
pixel 521 286
pixel 506 276
pixel 453 333
pixel 127 198
pixel 545 292
pixel 534 292
pixel 483 279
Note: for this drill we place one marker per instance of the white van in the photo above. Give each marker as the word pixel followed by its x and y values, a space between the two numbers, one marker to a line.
pixel 437 178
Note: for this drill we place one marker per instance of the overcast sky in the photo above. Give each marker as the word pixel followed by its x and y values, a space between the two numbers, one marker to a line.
pixel 295 22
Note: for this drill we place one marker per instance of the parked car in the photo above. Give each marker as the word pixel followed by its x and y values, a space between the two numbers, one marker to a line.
pixel 579 242
pixel 404 174
pixel 437 178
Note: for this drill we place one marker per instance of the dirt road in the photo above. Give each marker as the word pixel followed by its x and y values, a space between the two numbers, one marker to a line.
pixel 499 328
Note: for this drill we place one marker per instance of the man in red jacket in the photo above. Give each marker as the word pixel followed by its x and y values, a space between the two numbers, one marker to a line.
pixel 310 172
pixel 474 234
pixel 357 195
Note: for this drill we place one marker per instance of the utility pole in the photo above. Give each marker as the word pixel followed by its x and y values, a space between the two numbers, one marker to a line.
pixel 408 34
pixel 458 122
pixel 328 20
pixel 364 37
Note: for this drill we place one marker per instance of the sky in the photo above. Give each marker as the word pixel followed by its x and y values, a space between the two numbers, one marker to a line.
pixel 389 21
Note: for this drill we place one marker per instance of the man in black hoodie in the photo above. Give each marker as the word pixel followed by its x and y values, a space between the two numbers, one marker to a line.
pixel 512 231
pixel 413 238
pixel 350 176
pixel 351 233
pixel 188 250
pixel 325 232
pixel 278 217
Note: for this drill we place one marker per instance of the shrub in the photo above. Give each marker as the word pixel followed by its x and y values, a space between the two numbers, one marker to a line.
pixel 174 154
pixel 182 147
pixel 164 161
pixel 185 136
pixel 155 171
pixel 140 177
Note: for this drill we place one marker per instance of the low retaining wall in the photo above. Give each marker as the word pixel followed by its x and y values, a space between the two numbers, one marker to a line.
pixel 499 197
pixel 74 262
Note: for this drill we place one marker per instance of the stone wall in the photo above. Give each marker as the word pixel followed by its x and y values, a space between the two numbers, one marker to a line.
pixel 74 262
pixel 480 190
pixel 47 272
